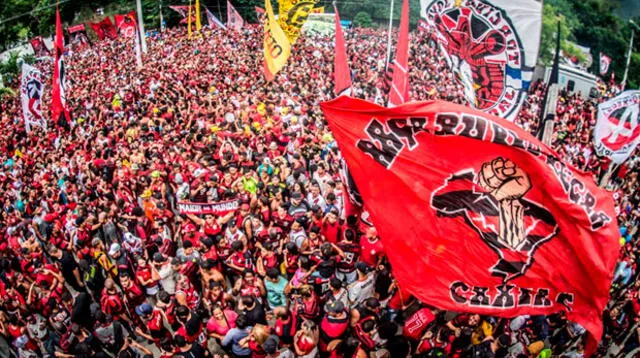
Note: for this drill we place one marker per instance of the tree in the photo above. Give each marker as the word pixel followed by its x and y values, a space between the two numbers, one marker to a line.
pixel 551 16
pixel 11 67
pixel 362 19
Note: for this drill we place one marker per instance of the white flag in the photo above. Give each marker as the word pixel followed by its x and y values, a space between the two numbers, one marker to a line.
pixel 605 62
pixel 617 130
pixel 491 46
pixel 31 89
pixel 234 20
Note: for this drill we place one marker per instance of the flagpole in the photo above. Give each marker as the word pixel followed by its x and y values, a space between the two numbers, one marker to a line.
pixel 548 110
pixel 161 18
pixel 143 41
pixel 189 20
pixel 138 50
pixel 629 51
pixel 386 64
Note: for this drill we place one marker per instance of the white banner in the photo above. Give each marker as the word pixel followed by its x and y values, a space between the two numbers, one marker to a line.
pixel 491 46
pixel 605 61
pixel 31 89
pixel 617 132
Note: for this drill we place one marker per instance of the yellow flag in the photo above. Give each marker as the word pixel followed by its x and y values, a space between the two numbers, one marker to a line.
pixel 276 45
pixel 198 23
pixel 293 14
pixel 189 19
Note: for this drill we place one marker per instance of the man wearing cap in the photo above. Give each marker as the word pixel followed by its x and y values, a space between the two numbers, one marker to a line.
pixel 121 258
pixel 298 207
pixel 272 349
pixel 334 324
pixel 154 323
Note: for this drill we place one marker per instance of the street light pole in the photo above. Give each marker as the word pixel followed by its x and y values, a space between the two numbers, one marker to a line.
pixel 143 40
pixel 629 51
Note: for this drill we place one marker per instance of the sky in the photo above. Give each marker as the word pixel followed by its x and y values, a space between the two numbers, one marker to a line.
pixel 629 8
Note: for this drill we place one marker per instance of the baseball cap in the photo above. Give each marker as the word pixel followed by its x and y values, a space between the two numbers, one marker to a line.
pixel 115 248
pixel 157 257
pixel 144 309
pixel 362 267
pixel 189 228
pixel 535 348
pixel 335 307
pixel 270 346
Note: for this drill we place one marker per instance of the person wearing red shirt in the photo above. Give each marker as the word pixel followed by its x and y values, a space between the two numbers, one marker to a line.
pixel 133 294
pixel 154 323
pixel 147 276
pixel 331 229
pixel 282 219
pixel 372 249
pixel 111 302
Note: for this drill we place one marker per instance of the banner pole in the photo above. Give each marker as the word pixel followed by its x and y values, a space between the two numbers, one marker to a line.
pixel 386 64
pixel 606 179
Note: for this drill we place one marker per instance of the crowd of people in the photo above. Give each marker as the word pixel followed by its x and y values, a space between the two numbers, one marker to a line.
pixel 96 259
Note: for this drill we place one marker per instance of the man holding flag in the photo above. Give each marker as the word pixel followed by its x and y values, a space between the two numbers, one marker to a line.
pixel 508 227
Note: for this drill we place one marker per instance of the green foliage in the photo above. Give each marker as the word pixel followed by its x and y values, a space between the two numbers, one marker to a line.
pixel 7 92
pixel 551 16
pixel 246 8
pixel 10 68
pixel 362 19
pixel 594 23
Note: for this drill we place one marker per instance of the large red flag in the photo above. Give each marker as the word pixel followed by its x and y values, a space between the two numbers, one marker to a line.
pixel 341 73
pixel 39 47
pixel 126 24
pixel 477 215
pixel 399 92
pixel 104 28
pixel 98 30
pixel 59 112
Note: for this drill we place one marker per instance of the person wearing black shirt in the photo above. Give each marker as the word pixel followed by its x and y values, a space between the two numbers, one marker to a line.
pixel 253 309
pixel 189 350
pixel 68 267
